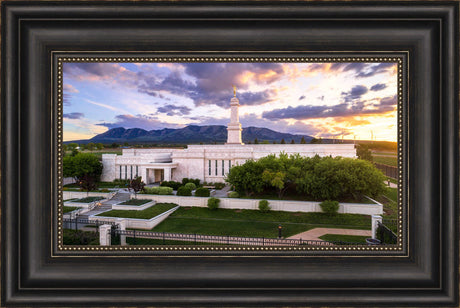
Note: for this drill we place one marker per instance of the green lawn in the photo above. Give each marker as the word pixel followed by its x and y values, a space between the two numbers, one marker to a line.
pixel 390 161
pixel 252 223
pixel 68 209
pixel 352 220
pixel 148 213
pixel 136 202
pixel 390 203
pixel 344 238
pixel 149 241
pixel 78 237
pixel 88 199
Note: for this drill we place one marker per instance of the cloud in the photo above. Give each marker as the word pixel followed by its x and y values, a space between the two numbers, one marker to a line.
pixel 92 71
pixel 378 87
pixel 172 110
pixel 106 106
pixel 67 96
pixel 389 101
pixel 304 112
pixel 375 69
pixel 302 97
pixel 73 115
pixel 355 93
pixel 146 122
pixel 211 83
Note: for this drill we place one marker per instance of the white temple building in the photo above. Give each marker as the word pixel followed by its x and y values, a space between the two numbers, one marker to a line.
pixel 208 163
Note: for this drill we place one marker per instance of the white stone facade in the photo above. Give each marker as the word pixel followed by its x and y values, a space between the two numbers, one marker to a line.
pixel 209 163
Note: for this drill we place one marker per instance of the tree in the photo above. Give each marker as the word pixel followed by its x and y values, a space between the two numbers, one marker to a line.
pixel 363 152
pixel 72 146
pixel 126 144
pixel 87 183
pixel 90 146
pixel 292 141
pixel 246 178
pixel 85 168
pixel 302 141
pixel 114 145
pixel 136 185
pixel 256 141
pixel 99 146
pixel 282 141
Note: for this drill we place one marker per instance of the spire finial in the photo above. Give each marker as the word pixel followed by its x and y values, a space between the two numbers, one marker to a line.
pixel 234 91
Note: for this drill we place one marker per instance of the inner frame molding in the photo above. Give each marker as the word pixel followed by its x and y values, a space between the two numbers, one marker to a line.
pixel 333 57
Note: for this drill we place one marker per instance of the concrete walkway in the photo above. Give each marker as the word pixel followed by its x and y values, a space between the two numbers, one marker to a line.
pixel 314 234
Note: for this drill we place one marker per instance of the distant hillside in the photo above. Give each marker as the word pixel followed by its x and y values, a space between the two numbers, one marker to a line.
pixel 189 135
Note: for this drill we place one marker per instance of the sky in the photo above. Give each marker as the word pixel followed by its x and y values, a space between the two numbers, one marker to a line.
pixel 324 100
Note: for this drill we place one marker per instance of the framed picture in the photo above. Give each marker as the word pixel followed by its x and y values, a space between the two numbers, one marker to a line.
pixel 167 106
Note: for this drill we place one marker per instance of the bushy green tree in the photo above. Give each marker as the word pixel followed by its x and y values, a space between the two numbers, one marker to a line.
pixel 363 152
pixel 246 178
pixel 85 168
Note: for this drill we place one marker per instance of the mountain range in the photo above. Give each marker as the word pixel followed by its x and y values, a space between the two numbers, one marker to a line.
pixel 189 135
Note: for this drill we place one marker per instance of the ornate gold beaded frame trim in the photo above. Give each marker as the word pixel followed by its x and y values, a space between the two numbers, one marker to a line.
pixel 402 221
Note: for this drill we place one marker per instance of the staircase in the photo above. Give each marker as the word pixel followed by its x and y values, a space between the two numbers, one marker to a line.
pixel 107 205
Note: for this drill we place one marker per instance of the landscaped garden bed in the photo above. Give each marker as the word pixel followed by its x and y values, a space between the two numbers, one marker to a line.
pixel 148 213
pixel 67 209
pixel 88 199
pixel 136 202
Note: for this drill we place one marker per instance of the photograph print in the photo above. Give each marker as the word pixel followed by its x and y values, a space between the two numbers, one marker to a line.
pixel 230 153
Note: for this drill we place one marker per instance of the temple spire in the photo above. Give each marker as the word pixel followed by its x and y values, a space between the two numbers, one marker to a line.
pixel 234 127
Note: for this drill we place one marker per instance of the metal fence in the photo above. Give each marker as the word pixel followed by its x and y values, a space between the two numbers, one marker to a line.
pixel 196 239
pixel 74 223
pixel 389 171
pixel 386 235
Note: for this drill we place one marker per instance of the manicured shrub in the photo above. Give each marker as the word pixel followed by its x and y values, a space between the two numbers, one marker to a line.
pixel 121 182
pixel 184 191
pixel 233 194
pixel 329 207
pixel 219 185
pixel 202 192
pixel 263 206
pixel 105 190
pixel 213 203
pixel 190 186
pixel 158 190
pixel 194 181
pixel 165 190
pixel 174 185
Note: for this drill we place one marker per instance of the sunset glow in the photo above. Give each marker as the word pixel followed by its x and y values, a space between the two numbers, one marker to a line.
pixel 328 100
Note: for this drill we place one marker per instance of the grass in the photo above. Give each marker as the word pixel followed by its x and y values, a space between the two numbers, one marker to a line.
pixel 68 209
pixel 148 213
pixel 99 185
pixel 229 227
pixel 136 202
pixel 390 161
pixel 390 203
pixel 79 237
pixel 299 197
pixel 344 238
pixel 252 223
pixel 149 241
pixel 354 220
pixel 88 199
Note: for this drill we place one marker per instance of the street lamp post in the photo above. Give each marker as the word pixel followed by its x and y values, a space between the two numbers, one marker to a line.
pixel 280 228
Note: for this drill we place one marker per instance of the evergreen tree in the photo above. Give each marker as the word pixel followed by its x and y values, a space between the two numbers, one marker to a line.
pixel 302 141
pixel 282 141
pixel 292 141
pixel 256 141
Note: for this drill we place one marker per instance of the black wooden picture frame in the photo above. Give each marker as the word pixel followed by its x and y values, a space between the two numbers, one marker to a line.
pixel 424 272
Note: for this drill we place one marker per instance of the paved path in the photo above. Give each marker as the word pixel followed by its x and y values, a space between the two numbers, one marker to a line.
pixel 314 234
